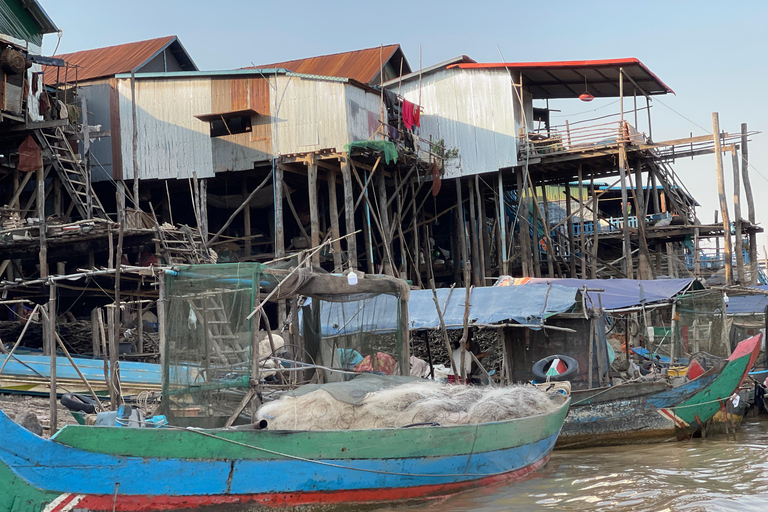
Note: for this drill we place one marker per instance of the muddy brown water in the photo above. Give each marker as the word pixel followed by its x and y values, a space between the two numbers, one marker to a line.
pixel 716 474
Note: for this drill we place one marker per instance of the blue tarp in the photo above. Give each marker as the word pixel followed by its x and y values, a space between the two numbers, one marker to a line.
pixel 623 293
pixel 747 304
pixel 522 304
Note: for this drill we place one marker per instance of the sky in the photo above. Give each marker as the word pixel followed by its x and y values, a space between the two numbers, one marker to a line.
pixel 712 54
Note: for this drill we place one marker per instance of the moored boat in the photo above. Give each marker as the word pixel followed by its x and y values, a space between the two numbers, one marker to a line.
pixel 655 411
pixel 140 470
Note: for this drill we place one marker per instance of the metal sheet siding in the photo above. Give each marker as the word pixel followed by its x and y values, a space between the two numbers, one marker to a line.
pixel 97 97
pixel 363 113
pixel 172 143
pixel 472 110
pixel 308 115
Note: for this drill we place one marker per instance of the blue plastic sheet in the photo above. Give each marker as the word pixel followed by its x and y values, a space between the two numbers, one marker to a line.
pixel 622 293
pixel 522 304
pixel 747 304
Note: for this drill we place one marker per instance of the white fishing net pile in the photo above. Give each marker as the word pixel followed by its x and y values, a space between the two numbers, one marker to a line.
pixel 406 405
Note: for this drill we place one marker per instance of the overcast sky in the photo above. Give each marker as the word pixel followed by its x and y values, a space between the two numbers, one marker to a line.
pixel 712 54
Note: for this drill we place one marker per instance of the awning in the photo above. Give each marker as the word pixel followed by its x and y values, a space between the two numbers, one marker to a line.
pixel 527 305
pixel 566 79
pixel 622 293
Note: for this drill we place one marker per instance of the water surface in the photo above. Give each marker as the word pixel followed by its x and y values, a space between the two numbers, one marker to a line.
pixel 714 475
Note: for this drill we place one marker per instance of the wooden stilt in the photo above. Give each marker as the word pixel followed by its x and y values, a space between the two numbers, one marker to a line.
pixel 738 246
pixel 550 262
pixel 279 191
pixel 381 189
pixel 416 244
pixel 750 205
pixel 485 242
pixel 473 246
pixel 721 193
pixel 644 266
pixel 595 230
pixel 247 217
pixel 462 227
pixel 334 215
pixel 569 228
pixel 502 243
pixel 582 235
pixel 313 211
pixel 533 208
pixel 50 323
pixel 349 211
pixel 525 236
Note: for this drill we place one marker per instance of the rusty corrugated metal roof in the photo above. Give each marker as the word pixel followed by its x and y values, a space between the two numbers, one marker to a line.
pixel 361 65
pixel 112 60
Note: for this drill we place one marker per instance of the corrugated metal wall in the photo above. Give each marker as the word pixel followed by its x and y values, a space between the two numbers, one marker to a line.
pixel 473 110
pixel 308 115
pixel 363 113
pixel 97 97
pixel 172 143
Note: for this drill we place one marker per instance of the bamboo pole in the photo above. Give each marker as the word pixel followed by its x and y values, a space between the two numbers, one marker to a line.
pixel 474 245
pixel 739 249
pixel 50 321
pixel 502 243
pixel 569 227
pixel 595 230
pixel 721 194
pixel 750 204
pixel 582 235
pixel 443 330
pixel 21 336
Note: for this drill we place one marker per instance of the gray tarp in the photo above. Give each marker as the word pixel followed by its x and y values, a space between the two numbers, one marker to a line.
pixel 523 304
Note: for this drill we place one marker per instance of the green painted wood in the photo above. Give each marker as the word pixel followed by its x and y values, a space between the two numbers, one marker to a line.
pixel 705 404
pixel 334 444
pixel 16 495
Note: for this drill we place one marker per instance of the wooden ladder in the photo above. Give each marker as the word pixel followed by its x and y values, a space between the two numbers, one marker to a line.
pixel 225 347
pixel 73 175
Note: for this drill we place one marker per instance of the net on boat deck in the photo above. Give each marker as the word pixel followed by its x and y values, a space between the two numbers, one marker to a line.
pixel 211 344
pixel 700 328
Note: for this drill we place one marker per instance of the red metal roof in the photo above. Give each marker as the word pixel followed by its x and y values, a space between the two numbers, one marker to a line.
pixel 111 60
pixel 361 65
pixel 566 79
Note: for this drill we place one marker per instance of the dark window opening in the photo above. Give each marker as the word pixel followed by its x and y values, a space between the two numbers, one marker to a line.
pixel 233 125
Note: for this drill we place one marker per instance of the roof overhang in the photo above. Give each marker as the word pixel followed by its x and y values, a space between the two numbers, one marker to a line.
pixel 227 115
pixel 569 79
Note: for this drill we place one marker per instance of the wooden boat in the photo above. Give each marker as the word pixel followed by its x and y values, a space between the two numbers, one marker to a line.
pixel 655 411
pixel 142 469
pixel 30 374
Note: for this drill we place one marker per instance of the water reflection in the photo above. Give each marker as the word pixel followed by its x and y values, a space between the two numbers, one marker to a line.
pixel 716 474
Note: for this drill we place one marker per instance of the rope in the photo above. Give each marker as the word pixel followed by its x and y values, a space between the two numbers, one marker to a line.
pixel 349 468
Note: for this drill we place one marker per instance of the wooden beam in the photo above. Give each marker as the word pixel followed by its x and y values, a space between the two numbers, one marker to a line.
pixel 737 217
pixel 750 204
pixel 314 214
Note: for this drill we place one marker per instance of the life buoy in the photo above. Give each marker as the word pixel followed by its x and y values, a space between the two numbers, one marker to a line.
pixel 541 367
pixel 82 403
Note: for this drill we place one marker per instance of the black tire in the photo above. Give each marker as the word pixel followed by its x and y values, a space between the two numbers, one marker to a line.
pixel 541 367
pixel 82 403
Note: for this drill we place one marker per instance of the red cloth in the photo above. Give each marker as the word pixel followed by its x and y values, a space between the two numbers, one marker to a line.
pixel 30 156
pixel 382 363
pixel 408 120
pixel 417 115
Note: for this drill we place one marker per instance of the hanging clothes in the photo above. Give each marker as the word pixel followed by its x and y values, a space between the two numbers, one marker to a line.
pixel 417 115
pixel 408 120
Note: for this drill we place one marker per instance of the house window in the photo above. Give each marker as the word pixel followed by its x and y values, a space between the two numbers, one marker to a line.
pixel 231 126
pixel 229 123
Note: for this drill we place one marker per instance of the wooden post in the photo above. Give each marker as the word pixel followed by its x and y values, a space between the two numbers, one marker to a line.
pixel 42 222
pixel 569 228
pixel 388 266
pixel 525 236
pixel 484 243
pixel 592 342
pixel 582 235
pixel 750 205
pixel 416 244
pixel 279 192
pixel 114 347
pixel 533 207
pixel 349 211
pixel 474 245
pixel 50 323
pixel 162 307
pixel 717 239
pixel 628 267
pixel 86 135
pixel 696 254
pixel 737 217
pixel 595 229
pixel 334 214
pixel 721 194
pixel 547 229
pixel 247 217
pixel 461 226
pixel 724 334
pixel 502 243
pixel 675 347
pixel 95 339
pixel 313 213
pixel 644 264
pixel 203 205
